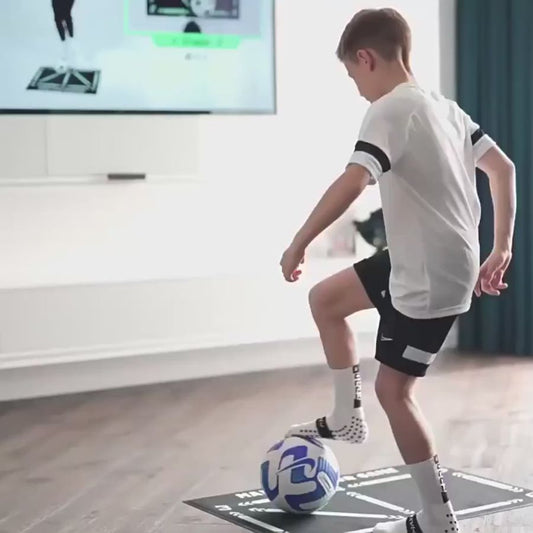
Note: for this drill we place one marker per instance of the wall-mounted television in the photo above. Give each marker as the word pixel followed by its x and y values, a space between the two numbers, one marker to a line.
pixel 137 56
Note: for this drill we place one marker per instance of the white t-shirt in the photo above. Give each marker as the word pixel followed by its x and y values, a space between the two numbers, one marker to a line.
pixel 422 149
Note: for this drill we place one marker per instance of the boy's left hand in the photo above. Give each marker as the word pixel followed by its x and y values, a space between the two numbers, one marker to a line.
pixel 292 257
pixel 491 274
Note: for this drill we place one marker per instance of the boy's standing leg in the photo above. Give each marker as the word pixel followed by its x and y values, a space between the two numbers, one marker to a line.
pixel 395 391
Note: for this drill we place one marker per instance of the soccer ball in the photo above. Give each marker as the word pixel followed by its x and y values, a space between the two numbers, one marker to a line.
pixel 300 475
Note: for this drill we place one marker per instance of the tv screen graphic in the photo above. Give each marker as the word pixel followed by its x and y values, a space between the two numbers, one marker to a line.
pixel 137 56
pixel 196 8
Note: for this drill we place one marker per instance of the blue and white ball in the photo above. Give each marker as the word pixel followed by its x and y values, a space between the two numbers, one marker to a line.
pixel 300 475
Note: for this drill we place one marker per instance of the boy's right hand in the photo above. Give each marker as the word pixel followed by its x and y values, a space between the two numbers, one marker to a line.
pixel 491 274
pixel 291 259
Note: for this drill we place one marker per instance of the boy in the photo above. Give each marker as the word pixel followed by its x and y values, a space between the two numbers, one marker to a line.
pixel 63 17
pixel 423 151
pixel 64 23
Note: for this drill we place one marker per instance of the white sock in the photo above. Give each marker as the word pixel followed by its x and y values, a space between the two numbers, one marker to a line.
pixel 347 421
pixel 77 60
pixel 61 65
pixel 68 52
pixel 437 515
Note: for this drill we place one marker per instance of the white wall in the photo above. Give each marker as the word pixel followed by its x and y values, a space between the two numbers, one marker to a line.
pixel 100 270
pixel 448 47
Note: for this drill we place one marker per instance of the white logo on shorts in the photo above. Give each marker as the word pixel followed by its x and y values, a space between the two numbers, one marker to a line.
pixel 385 339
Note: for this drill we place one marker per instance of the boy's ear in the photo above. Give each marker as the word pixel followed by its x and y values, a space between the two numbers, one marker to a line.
pixel 366 57
pixel 361 56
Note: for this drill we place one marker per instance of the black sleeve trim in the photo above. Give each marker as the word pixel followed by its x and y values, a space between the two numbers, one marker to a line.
pixel 376 152
pixel 476 136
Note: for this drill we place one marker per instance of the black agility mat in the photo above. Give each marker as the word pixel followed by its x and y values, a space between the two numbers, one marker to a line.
pixel 67 81
pixel 365 499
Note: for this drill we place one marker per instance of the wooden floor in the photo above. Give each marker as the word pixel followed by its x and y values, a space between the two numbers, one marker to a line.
pixel 122 461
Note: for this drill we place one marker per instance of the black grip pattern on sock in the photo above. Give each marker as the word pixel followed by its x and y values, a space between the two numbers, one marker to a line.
pixel 443 491
pixel 323 429
pixel 358 387
pixel 412 525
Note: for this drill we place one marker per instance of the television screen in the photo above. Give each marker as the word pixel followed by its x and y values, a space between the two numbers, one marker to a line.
pixel 137 56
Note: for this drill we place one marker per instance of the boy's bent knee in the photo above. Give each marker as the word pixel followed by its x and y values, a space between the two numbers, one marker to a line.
pixel 338 296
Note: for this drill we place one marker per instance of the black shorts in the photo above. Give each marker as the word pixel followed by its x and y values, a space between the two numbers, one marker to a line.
pixel 408 345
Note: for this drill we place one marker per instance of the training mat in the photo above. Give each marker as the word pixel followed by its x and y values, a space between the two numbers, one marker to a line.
pixel 365 499
pixel 70 80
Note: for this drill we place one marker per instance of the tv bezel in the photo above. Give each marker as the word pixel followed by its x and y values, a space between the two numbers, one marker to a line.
pixel 244 112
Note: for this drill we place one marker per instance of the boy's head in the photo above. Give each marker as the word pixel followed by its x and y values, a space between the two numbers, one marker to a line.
pixel 375 45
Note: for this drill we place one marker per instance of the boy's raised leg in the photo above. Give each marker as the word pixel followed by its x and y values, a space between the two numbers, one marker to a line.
pixel 331 301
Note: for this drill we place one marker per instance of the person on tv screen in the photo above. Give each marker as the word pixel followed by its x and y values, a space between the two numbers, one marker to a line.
pixel 63 17
pixel 64 24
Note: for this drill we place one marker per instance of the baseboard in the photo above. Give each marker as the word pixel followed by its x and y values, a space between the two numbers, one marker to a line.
pixel 123 370
pixel 102 352
pixel 111 373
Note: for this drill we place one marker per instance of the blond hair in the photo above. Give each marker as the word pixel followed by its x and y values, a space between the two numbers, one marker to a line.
pixel 383 30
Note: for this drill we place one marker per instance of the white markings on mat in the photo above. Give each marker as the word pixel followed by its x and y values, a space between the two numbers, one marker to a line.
pixel 489 482
pixel 266 527
pixel 255 502
pixel 390 479
pixel 360 515
pixel 370 474
pixel 487 507
pixel 380 503
pixel 331 513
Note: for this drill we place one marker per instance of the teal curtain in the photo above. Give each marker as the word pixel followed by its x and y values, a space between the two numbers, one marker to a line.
pixel 495 86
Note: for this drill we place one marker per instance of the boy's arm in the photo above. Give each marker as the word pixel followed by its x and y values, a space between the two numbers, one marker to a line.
pixel 335 201
pixel 381 140
pixel 501 172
